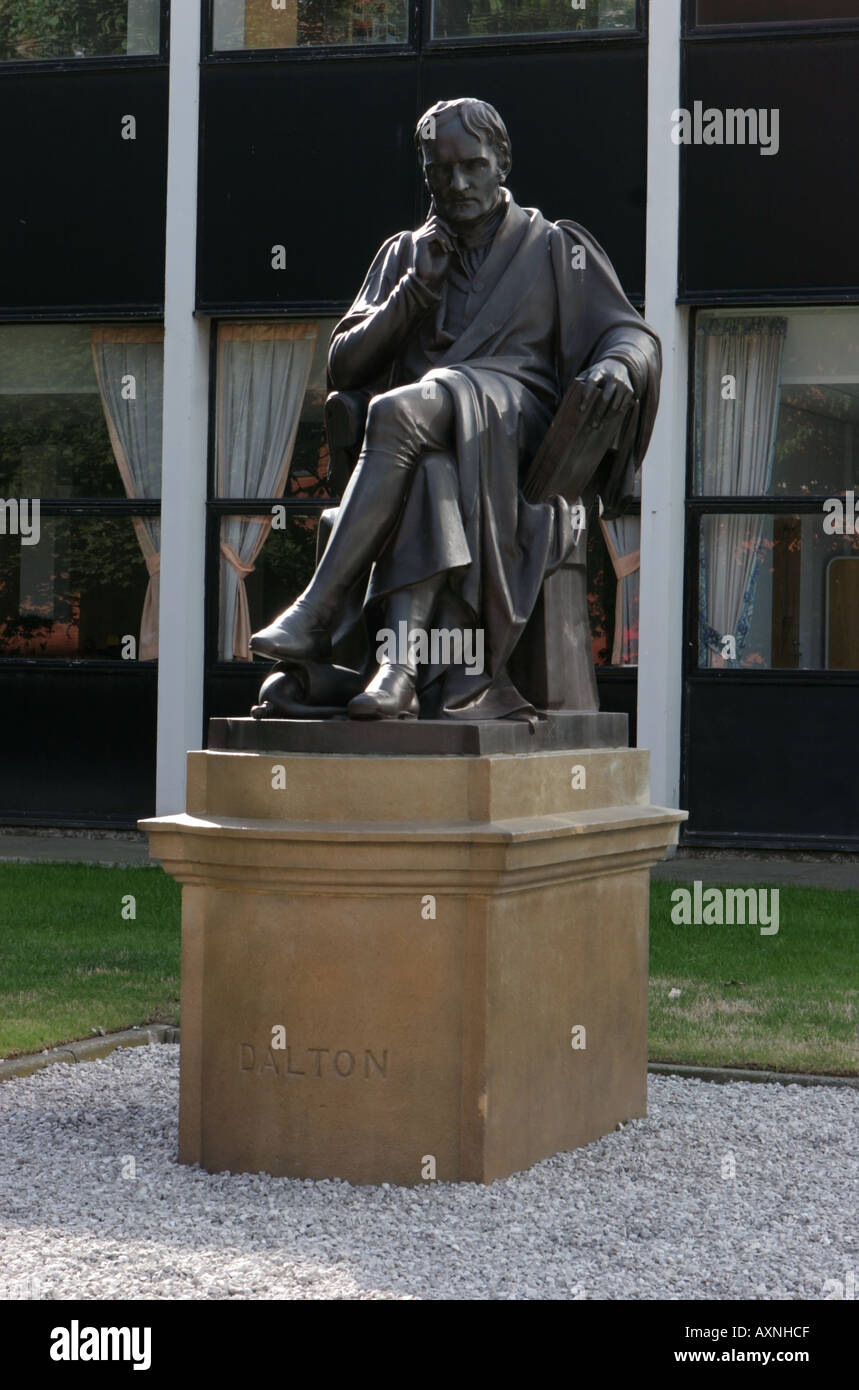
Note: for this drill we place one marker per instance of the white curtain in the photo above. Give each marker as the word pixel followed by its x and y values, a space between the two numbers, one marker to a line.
pixel 262 376
pixel 738 373
pixel 129 370
pixel 623 541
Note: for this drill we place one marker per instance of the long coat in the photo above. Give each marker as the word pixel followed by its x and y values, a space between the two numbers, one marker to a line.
pixel 544 305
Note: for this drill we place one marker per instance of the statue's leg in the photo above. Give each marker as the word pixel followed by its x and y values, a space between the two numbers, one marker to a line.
pixel 401 425
pixel 391 694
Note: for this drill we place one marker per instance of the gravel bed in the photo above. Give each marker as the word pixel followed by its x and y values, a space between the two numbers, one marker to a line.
pixel 644 1213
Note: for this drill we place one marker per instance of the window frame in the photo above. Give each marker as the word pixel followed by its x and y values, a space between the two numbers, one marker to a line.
pixel 99 62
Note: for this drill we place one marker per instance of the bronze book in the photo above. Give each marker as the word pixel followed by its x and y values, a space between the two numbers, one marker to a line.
pixel 572 449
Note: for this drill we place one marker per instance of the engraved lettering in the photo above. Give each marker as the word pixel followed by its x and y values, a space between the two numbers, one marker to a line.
pixel 319 1051
pixel 381 1067
pixel 289 1070
pixel 337 1056
pixel 271 1064
pixel 342 1062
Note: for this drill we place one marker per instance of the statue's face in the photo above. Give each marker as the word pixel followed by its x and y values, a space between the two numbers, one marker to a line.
pixel 462 173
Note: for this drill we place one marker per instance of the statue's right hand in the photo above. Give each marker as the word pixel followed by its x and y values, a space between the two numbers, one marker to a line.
pixel 433 253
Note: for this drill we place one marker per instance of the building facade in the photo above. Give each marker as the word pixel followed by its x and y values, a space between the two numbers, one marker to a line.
pixel 192 200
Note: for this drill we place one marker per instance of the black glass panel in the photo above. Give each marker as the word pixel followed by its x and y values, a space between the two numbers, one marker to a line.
pixel 773 11
pixel 80 744
pixel 83 204
pixel 781 223
pixel 306 170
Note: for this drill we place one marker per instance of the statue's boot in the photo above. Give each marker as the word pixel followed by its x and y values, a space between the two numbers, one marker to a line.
pixel 370 506
pixel 392 693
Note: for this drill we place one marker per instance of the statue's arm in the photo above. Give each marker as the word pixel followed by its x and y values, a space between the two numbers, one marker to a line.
pixel 391 304
pixel 598 322
pixel 598 327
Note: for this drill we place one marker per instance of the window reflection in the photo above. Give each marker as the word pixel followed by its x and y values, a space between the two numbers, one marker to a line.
pixel 33 29
pixel 258 24
pixel 487 18
pixel 79 592
pixel 778 592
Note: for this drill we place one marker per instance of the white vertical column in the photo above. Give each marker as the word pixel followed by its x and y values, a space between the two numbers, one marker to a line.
pixel 186 392
pixel 660 646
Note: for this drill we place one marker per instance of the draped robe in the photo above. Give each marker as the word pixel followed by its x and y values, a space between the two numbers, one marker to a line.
pixel 544 305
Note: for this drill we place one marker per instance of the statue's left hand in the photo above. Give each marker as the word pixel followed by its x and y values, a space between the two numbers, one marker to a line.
pixel 616 389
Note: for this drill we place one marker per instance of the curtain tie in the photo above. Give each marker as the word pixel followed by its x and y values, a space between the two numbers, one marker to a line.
pixel 624 565
pixel 153 564
pixel 230 555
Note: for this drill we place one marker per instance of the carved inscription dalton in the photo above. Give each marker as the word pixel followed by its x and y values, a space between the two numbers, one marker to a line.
pixel 314 1063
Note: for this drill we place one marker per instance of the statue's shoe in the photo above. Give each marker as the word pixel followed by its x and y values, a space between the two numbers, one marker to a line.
pixel 391 694
pixel 295 636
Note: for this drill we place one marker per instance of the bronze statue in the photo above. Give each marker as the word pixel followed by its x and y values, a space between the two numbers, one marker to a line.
pixel 469 337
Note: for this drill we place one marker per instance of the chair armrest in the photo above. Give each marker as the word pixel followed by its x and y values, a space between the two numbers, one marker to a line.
pixel 345 418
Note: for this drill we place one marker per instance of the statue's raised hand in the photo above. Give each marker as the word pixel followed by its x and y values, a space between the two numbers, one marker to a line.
pixel 433 253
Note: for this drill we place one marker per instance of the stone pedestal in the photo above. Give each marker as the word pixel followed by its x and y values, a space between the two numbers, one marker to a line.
pixel 400 967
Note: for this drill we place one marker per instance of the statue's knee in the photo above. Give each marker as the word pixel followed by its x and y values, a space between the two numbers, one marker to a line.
pixel 386 411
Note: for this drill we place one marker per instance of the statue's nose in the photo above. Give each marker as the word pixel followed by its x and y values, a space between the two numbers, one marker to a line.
pixel 459 182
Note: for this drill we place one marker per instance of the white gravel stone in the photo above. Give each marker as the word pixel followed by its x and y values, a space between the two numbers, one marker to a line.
pixel 644 1213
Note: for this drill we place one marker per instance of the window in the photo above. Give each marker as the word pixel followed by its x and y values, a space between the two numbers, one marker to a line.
pixel 452 19
pixel 777 439
pixel 261 24
pixel 270 456
pixel 80 477
pixel 613 585
pixel 773 11
pixel 32 29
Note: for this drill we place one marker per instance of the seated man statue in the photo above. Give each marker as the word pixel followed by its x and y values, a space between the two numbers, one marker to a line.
pixel 465 338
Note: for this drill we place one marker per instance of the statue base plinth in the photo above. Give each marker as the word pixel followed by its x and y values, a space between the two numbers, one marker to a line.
pixel 396 968
pixel 560 729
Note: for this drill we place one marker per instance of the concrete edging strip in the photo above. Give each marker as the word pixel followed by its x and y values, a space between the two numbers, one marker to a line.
pixel 88 1049
pixel 726 1074
pixel 91 1049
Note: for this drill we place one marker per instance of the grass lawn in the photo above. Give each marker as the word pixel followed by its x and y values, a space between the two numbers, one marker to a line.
pixel 70 964
pixel 788 1002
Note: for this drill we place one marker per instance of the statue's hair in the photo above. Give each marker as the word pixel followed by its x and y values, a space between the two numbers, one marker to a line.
pixel 478 118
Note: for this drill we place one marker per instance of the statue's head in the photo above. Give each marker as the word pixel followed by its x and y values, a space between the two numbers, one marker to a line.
pixel 466 157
